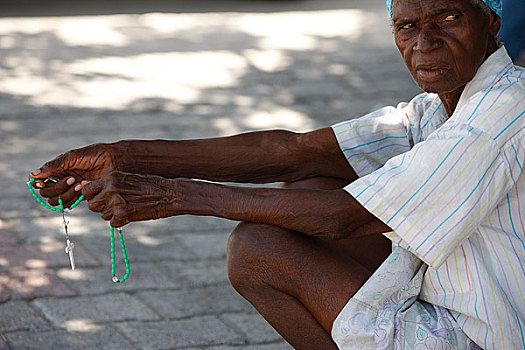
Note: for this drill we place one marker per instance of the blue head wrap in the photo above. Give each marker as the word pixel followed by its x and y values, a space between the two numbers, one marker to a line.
pixel 495 5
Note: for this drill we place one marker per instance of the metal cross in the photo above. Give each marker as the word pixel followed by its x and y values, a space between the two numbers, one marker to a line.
pixel 69 245
pixel 69 250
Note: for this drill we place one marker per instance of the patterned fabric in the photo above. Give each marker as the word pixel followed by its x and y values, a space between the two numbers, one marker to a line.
pixel 386 314
pixel 495 5
pixel 453 191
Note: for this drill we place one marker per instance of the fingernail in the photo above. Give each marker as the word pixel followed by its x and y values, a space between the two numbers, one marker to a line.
pixel 78 187
pixel 70 181
pixel 39 185
pixel 36 172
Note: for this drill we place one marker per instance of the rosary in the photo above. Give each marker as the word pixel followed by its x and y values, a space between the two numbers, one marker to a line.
pixel 70 245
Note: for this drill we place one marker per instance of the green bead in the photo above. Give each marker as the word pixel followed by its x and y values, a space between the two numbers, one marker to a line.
pixel 77 202
pixel 124 253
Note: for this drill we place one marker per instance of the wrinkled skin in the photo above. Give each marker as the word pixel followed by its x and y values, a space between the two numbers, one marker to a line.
pixel 121 197
pixel 443 43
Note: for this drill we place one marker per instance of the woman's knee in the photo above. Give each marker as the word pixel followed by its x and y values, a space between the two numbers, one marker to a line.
pixel 251 253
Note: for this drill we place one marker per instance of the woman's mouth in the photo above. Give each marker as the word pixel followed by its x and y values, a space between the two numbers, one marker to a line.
pixel 430 73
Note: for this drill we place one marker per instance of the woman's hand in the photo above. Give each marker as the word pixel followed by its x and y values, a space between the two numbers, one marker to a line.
pixel 71 168
pixel 122 198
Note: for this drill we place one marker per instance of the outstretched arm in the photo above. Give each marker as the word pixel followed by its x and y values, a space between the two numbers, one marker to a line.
pixel 257 157
pixel 122 198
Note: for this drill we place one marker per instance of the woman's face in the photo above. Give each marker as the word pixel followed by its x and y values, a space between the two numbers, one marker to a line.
pixel 443 42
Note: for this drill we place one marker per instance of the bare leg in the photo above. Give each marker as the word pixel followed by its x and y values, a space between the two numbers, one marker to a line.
pixel 299 283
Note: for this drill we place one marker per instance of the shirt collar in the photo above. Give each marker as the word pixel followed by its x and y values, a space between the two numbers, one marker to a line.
pixel 488 74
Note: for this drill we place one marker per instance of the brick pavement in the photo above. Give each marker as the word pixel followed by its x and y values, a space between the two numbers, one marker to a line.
pixel 74 80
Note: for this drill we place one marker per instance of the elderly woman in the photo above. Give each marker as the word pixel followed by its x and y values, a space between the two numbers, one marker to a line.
pixel 440 179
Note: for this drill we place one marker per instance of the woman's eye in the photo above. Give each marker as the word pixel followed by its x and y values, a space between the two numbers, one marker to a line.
pixel 408 26
pixel 451 18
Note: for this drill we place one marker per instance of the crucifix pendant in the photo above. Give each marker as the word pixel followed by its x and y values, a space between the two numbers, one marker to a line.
pixel 69 245
pixel 69 250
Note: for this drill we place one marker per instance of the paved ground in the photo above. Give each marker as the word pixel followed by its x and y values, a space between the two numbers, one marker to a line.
pixel 91 75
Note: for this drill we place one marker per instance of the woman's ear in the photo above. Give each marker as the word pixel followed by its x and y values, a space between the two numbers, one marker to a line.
pixel 494 25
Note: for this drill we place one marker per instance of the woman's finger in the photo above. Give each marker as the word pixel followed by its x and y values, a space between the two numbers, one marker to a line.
pixel 71 195
pixel 121 216
pixel 97 205
pixel 55 166
pixel 52 189
pixel 126 213
pixel 106 213
pixel 92 188
pixel 53 201
pixel 38 184
pixel 111 206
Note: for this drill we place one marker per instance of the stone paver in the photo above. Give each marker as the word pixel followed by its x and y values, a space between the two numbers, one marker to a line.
pixel 207 330
pixel 253 326
pixel 45 255
pixel 172 70
pixel 102 339
pixel 143 276
pixel 49 228
pixel 18 316
pixel 206 245
pixel 3 344
pixel 195 273
pixel 194 302
pixel 7 238
pixel 141 247
pixel 104 308
pixel 20 206
pixel 21 283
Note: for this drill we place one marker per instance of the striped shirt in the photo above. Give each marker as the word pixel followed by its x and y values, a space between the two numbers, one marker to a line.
pixel 453 191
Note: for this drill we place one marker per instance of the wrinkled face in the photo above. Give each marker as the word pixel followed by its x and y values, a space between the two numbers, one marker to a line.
pixel 443 42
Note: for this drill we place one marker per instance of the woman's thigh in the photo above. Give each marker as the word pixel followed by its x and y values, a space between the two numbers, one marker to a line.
pixel 263 258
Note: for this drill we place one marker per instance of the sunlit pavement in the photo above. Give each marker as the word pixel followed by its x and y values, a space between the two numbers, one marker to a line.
pixel 91 76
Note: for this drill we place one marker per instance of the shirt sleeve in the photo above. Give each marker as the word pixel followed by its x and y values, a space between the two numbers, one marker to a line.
pixel 435 195
pixel 370 141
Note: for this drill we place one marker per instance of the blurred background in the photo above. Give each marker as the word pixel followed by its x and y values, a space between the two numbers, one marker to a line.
pixel 76 73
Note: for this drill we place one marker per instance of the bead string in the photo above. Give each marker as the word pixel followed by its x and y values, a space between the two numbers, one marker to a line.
pixel 111 229
pixel 124 255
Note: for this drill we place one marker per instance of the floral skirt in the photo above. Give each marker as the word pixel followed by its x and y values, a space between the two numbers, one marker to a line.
pixel 387 314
